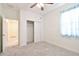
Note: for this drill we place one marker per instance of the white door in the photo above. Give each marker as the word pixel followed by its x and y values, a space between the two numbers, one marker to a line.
pixel 30 32
pixel 12 33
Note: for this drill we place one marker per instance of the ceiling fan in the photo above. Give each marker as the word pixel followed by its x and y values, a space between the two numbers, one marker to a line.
pixel 40 5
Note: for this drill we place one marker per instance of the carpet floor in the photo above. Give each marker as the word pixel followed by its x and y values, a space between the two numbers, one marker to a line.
pixel 38 49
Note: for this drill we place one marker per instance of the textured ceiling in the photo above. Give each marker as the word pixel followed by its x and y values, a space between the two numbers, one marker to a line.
pixel 26 6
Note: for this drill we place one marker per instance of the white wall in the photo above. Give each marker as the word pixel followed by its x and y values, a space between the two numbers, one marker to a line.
pixel 38 31
pixel 52 30
pixel 28 15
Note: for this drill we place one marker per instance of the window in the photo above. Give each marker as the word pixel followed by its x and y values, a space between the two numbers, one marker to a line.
pixel 70 22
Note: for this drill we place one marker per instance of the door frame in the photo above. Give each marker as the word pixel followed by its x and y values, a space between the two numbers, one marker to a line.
pixel 5 37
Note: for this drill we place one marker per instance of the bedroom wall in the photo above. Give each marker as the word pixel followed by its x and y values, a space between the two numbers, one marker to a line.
pixel 24 17
pixel 52 30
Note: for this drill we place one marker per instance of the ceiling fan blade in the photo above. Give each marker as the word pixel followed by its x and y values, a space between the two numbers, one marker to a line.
pixel 42 8
pixel 33 5
pixel 49 3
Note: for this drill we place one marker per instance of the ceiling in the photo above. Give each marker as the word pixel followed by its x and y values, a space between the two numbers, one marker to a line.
pixel 26 6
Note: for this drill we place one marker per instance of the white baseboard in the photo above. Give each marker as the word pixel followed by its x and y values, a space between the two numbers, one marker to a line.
pixel 67 48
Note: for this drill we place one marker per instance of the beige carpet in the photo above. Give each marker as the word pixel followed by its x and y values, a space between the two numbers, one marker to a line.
pixel 38 49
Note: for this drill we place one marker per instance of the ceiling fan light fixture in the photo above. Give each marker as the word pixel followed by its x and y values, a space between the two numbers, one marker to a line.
pixel 39 5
